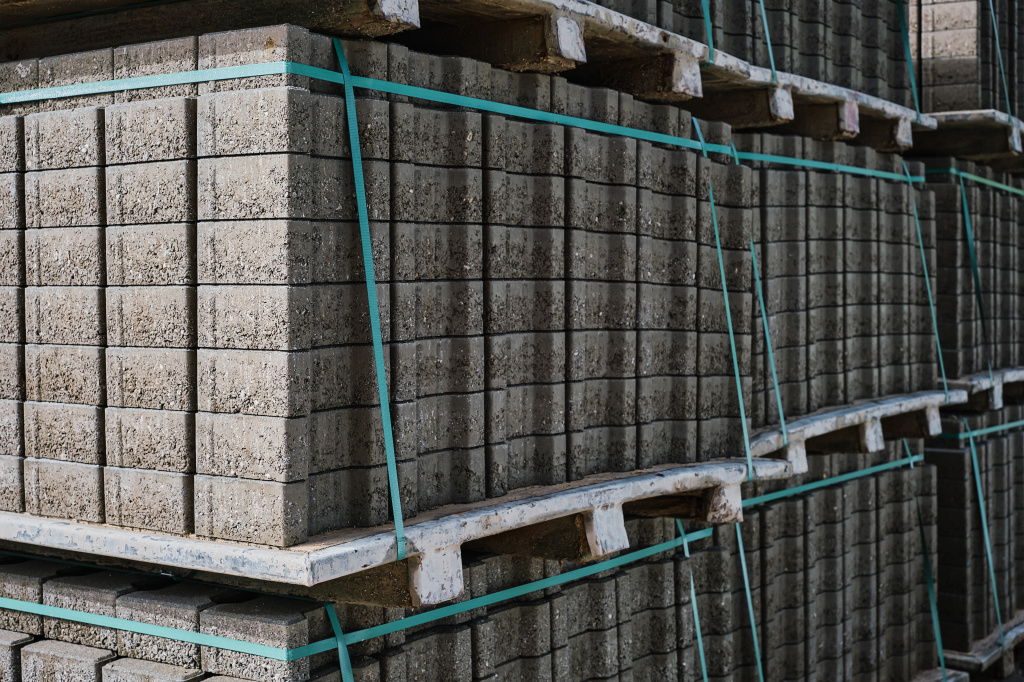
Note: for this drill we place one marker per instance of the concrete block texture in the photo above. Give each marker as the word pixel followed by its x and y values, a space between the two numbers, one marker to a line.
pixel 151 192
pixel 63 431
pixel 151 316
pixel 64 139
pixel 65 315
pixel 11 644
pixel 12 493
pixel 66 490
pixel 71 197
pixel 263 512
pixel 149 500
pixel 64 257
pixel 23 580
pixel 177 606
pixel 151 378
pixel 12 201
pixel 150 255
pixel 159 440
pixel 130 670
pixel 65 374
pixel 95 593
pixel 273 621
pixel 150 130
pixel 53 661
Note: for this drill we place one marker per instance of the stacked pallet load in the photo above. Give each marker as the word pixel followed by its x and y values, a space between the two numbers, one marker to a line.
pixel 430 357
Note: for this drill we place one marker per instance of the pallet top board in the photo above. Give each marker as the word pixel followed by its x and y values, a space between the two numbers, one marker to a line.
pixel 577 521
pixel 585 41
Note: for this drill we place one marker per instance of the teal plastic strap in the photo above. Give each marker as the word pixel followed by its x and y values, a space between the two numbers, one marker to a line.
pixel 708 29
pixel 198 638
pixel 983 432
pixel 750 600
pixel 768 41
pixel 275 68
pixel 341 640
pixel 371 294
pixel 975 178
pixel 344 661
pixel 969 236
pixel 929 576
pixel 827 482
pixel 984 529
pixel 905 31
pixel 728 314
pixel 693 603
pixel 999 54
pixel 928 285
pixel 768 343
pixel 521 590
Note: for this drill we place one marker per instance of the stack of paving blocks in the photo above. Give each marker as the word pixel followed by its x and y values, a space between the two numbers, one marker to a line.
pixel 960 66
pixel 967 605
pixel 856 45
pixel 841 597
pixel 545 316
pixel 970 329
pixel 826 291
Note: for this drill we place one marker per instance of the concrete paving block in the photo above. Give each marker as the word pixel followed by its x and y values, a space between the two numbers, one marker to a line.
pixel 66 490
pixel 286 119
pixel 177 606
pixel 248 446
pixel 150 255
pixel 263 512
pixel 150 130
pixel 19 75
pixel 151 378
pixel 94 593
pixel 52 661
pixel 11 644
pixel 265 44
pixel 130 670
pixel 269 383
pixel 330 511
pixel 12 492
pixel 257 317
pixel 161 440
pixel 150 500
pixel 12 366
pixel 64 257
pixel 66 432
pixel 12 311
pixel 24 581
pixel 272 621
pixel 12 143
pixel 72 69
pixel 147 59
pixel 64 139
pixel 148 316
pixel 64 198
pixel 11 427
pixel 12 201
pixel 65 315
pixel 151 192
pixel 285 254
pixel 65 374
pixel 288 186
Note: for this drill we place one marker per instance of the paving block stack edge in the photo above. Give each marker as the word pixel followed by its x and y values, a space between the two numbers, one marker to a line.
pixel 185 348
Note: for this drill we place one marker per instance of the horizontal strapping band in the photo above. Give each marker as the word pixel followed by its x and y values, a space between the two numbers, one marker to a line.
pixel 199 638
pixel 331 643
pixel 975 178
pixel 983 432
pixel 285 67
